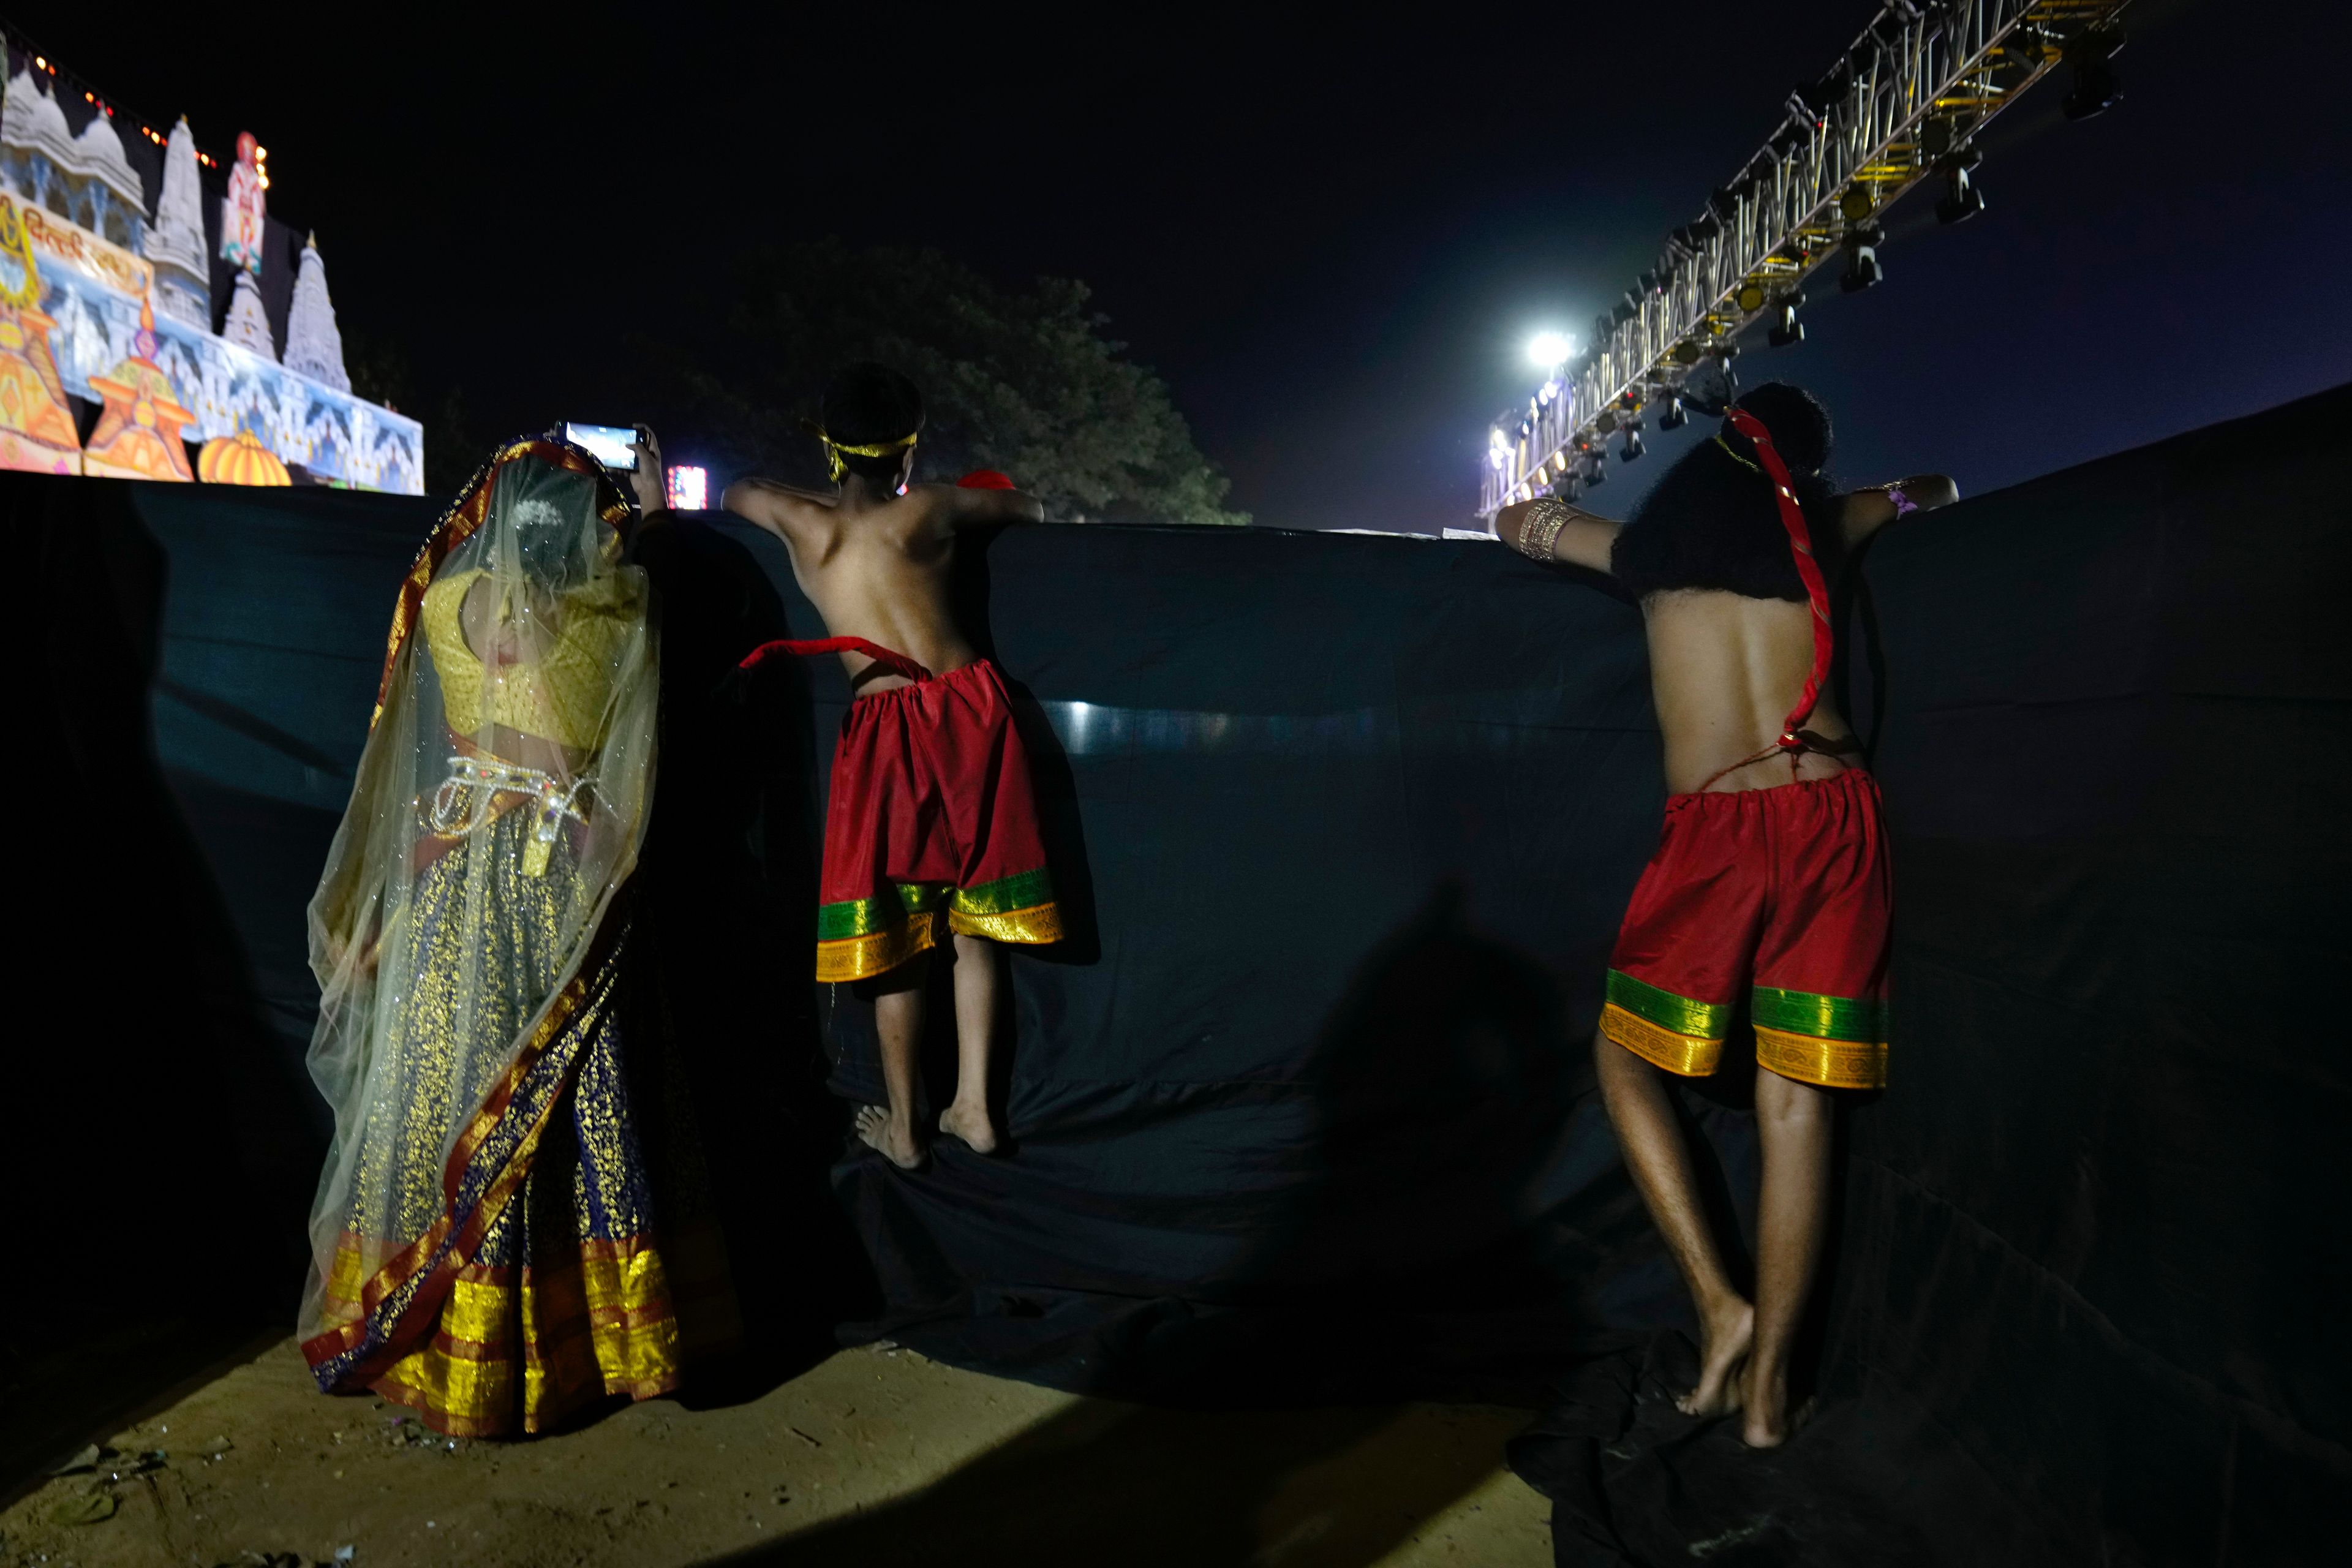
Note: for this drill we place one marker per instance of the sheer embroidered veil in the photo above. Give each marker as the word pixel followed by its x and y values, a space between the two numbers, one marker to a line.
pixel 520 678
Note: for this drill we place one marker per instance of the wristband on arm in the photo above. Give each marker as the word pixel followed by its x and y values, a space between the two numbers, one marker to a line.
pixel 1539 528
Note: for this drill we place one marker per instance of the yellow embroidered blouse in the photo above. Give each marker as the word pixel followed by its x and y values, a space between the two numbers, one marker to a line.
pixel 561 695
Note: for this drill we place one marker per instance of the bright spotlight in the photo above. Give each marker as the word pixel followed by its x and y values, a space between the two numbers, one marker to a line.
pixel 1548 349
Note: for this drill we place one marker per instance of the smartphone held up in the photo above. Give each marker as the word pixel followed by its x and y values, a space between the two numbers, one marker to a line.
pixel 611 445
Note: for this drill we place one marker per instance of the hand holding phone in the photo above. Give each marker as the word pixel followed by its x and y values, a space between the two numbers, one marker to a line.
pixel 648 478
pixel 614 446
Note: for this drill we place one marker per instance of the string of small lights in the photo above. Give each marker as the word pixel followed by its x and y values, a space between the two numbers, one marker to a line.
pixel 67 81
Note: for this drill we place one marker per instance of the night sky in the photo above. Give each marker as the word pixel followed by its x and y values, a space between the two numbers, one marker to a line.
pixel 1333 240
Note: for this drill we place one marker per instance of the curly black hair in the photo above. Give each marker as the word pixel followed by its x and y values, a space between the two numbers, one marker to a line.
pixel 1712 520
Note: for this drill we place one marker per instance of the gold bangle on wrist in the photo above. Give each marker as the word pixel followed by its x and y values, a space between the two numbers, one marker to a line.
pixel 1539 527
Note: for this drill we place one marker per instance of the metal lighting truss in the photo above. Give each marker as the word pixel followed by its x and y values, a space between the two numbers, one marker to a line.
pixel 1901 103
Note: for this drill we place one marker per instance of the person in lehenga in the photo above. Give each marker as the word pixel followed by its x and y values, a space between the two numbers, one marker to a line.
pixel 1771 883
pixel 931 811
pixel 513 1221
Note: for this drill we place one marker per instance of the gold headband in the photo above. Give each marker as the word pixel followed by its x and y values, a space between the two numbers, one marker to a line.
pixel 834 449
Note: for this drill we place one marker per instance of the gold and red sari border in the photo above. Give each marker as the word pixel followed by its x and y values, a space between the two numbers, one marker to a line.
pixel 403 1295
pixel 858 938
pixel 1836 1042
pixel 582 1335
pixel 526 1348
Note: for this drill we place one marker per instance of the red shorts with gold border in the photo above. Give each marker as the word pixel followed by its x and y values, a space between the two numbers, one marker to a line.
pixel 931 817
pixel 1780 894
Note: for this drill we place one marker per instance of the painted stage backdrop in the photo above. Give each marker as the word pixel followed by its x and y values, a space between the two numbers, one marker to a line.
pixel 112 298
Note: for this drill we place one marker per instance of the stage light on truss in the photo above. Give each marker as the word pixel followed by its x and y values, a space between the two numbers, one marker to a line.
pixel 1595 472
pixel 689 487
pixel 1862 269
pixel 1551 349
pixel 1750 299
pixel 1677 416
pixel 1567 488
pixel 2025 47
pixel 1633 447
pixel 1786 329
pixel 2095 87
pixel 1961 199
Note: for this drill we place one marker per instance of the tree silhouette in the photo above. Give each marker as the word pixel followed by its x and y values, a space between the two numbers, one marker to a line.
pixel 1021 380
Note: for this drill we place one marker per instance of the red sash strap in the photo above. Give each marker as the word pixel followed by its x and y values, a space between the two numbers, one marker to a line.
pixel 1800 546
pixel 896 663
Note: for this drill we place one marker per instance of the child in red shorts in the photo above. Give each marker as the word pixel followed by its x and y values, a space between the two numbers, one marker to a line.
pixel 1771 885
pixel 931 821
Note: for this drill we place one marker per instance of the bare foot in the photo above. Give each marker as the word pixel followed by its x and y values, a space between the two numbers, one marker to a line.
pixel 971 1124
pixel 894 1138
pixel 1768 1397
pixel 1723 1353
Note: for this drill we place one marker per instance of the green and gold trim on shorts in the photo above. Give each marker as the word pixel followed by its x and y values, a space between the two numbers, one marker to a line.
pixel 1679 1034
pixel 1836 1042
pixel 859 938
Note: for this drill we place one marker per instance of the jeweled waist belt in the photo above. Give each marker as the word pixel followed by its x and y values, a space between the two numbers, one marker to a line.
pixel 467 798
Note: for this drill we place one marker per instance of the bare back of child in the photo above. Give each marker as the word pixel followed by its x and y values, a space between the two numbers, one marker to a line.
pixel 908 838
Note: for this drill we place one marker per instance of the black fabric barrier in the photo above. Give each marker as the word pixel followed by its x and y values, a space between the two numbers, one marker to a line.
pixel 1303 1110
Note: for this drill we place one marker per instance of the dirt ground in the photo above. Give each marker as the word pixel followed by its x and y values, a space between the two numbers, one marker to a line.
pixel 874 1457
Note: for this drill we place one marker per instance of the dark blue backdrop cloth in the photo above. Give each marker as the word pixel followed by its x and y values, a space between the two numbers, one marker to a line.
pixel 1302 1110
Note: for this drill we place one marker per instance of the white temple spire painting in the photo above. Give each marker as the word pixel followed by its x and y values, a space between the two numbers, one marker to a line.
pixel 175 244
pixel 314 344
pixel 106 297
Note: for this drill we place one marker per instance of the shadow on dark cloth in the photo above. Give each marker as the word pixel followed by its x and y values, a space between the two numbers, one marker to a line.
pixel 1304 1115
pixel 1103 1483
pixel 156 1149
pixel 730 883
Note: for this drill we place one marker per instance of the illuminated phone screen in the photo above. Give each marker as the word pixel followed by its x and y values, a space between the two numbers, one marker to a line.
pixel 608 444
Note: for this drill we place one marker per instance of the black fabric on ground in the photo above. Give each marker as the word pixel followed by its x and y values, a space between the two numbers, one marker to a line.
pixel 1303 1110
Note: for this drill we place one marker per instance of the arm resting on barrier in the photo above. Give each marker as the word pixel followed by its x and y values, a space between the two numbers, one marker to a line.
pixel 768 502
pixel 1866 512
pixel 960 506
pixel 1576 536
